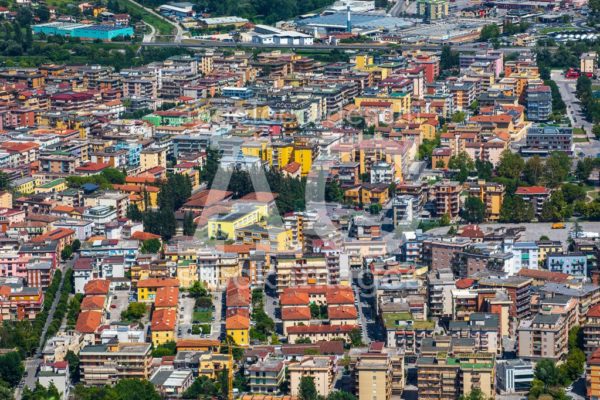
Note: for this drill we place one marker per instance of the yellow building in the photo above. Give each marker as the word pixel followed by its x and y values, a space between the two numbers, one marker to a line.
pixel 25 185
pixel 374 378
pixel 57 185
pixel 163 326
pixel 548 246
pixel 277 238
pixel 238 328
pixel 187 273
pixel 153 157
pixel 212 364
pixel 6 199
pixel 223 226
pixel 491 194
pixel 303 155
pixel 401 102
pixel 146 288
pixel 374 194
pixel 279 154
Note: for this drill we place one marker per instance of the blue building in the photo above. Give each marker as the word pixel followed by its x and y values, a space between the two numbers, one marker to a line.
pixel 571 263
pixel 134 150
pixel 83 31
pixel 237 92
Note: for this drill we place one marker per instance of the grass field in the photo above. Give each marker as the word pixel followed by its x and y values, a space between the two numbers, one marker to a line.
pixel 580 139
pixel 202 316
pixel 579 131
pixel 162 27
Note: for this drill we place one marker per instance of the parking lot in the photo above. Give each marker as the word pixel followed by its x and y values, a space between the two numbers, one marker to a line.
pixel 118 304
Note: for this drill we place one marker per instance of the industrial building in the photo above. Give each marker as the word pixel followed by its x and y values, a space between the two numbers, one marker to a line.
pixel 83 31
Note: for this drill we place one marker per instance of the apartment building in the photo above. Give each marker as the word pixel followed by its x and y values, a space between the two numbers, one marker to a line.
pixel 266 376
pixel 535 195
pixel 483 328
pixel 514 376
pixel 518 289
pixel 374 378
pixel 592 378
pixel 439 292
pixel 321 368
pixel 377 352
pixel 571 263
pixel 447 377
pixel 591 330
pixel 295 270
pixel 543 336
pixel 491 195
pixel 545 139
pixel 539 103
pixel 447 198
pixel 107 363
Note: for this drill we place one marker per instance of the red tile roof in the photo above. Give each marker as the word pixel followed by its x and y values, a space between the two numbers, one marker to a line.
pixel 93 302
pixel 342 312
pixel 97 286
pixel 237 322
pixel 551 276
pixel 164 320
pixel 594 312
pixel 464 283
pixel 321 329
pixel 293 298
pixel 88 321
pixel 301 313
pixel 158 282
pixel 166 297
pixel 529 190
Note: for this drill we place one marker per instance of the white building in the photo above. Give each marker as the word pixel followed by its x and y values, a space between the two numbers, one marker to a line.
pixel 382 172
pixel 525 255
pixel 514 376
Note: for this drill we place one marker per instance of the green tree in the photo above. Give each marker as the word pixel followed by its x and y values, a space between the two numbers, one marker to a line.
pixel 151 246
pixel 340 395
pixel 475 394
pixel 6 393
pixel 534 170
pixel 356 337
pixel 66 253
pixel 473 210
pixel 203 387
pixel 511 165
pixel 11 368
pixel 165 349
pixel 584 168
pixel 73 361
pixel 375 208
pixel 334 192
pixel 459 116
pixel 449 59
pixel 134 312
pixel 555 209
pixel 445 220
pixel 134 213
pixel 463 163
pixel 41 393
pixel 307 389
pixel 76 245
pixel 488 32
pixel 197 290
pixel 189 227
pixel 485 169
pixel 4 180
pixel 515 209
pixel 557 168
pixel 136 389
pixel 114 176
pixel 573 193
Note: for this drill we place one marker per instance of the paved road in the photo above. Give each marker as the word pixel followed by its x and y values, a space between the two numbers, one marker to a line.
pixel 32 364
pixel 533 231
pixel 575 114
pixel 196 43
pixel 179 29
pixel 149 37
